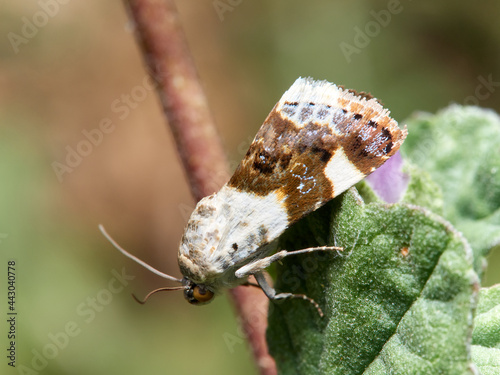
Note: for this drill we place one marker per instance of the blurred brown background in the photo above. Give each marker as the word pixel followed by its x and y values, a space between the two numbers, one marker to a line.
pixel 81 66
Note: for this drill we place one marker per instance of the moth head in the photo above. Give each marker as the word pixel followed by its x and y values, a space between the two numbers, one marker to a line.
pixel 197 294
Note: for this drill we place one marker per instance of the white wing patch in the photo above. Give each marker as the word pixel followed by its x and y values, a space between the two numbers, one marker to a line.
pixel 341 172
pixel 253 220
pixel 318 107
pixel 228 228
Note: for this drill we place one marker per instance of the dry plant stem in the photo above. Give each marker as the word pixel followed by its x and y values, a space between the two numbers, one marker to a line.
pixel 168 59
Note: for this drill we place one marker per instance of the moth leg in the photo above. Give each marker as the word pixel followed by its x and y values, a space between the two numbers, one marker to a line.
pixel 270 292
pixel 261 264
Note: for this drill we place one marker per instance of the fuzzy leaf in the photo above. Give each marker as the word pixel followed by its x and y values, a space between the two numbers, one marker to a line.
pixel 486 334
pixel 397 300
pixel 460 148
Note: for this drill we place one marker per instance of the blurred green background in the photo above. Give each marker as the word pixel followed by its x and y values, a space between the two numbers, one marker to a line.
pixel 81 65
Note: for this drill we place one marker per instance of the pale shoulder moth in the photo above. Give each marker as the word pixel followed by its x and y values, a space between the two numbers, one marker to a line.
pixel 318 141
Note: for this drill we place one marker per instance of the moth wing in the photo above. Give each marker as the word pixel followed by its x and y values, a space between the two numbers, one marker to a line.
pixel 318 141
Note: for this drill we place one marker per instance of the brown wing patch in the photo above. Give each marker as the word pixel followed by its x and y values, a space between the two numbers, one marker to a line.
pixel 291 160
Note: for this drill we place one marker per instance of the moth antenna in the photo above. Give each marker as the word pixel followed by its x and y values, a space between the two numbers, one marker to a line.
pixel 165 289
pixel 135 259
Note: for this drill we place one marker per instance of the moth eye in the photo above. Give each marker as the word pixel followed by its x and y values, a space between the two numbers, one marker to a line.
pixel 202 294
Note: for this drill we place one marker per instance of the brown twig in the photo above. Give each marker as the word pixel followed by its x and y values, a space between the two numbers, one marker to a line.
pixel 168 59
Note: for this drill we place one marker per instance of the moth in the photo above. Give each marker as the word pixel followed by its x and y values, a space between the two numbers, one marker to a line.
pixel 318 141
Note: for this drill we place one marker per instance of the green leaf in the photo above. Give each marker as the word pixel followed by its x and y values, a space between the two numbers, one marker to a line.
pixel 397 300
pixel 460 148
pixel 486 334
